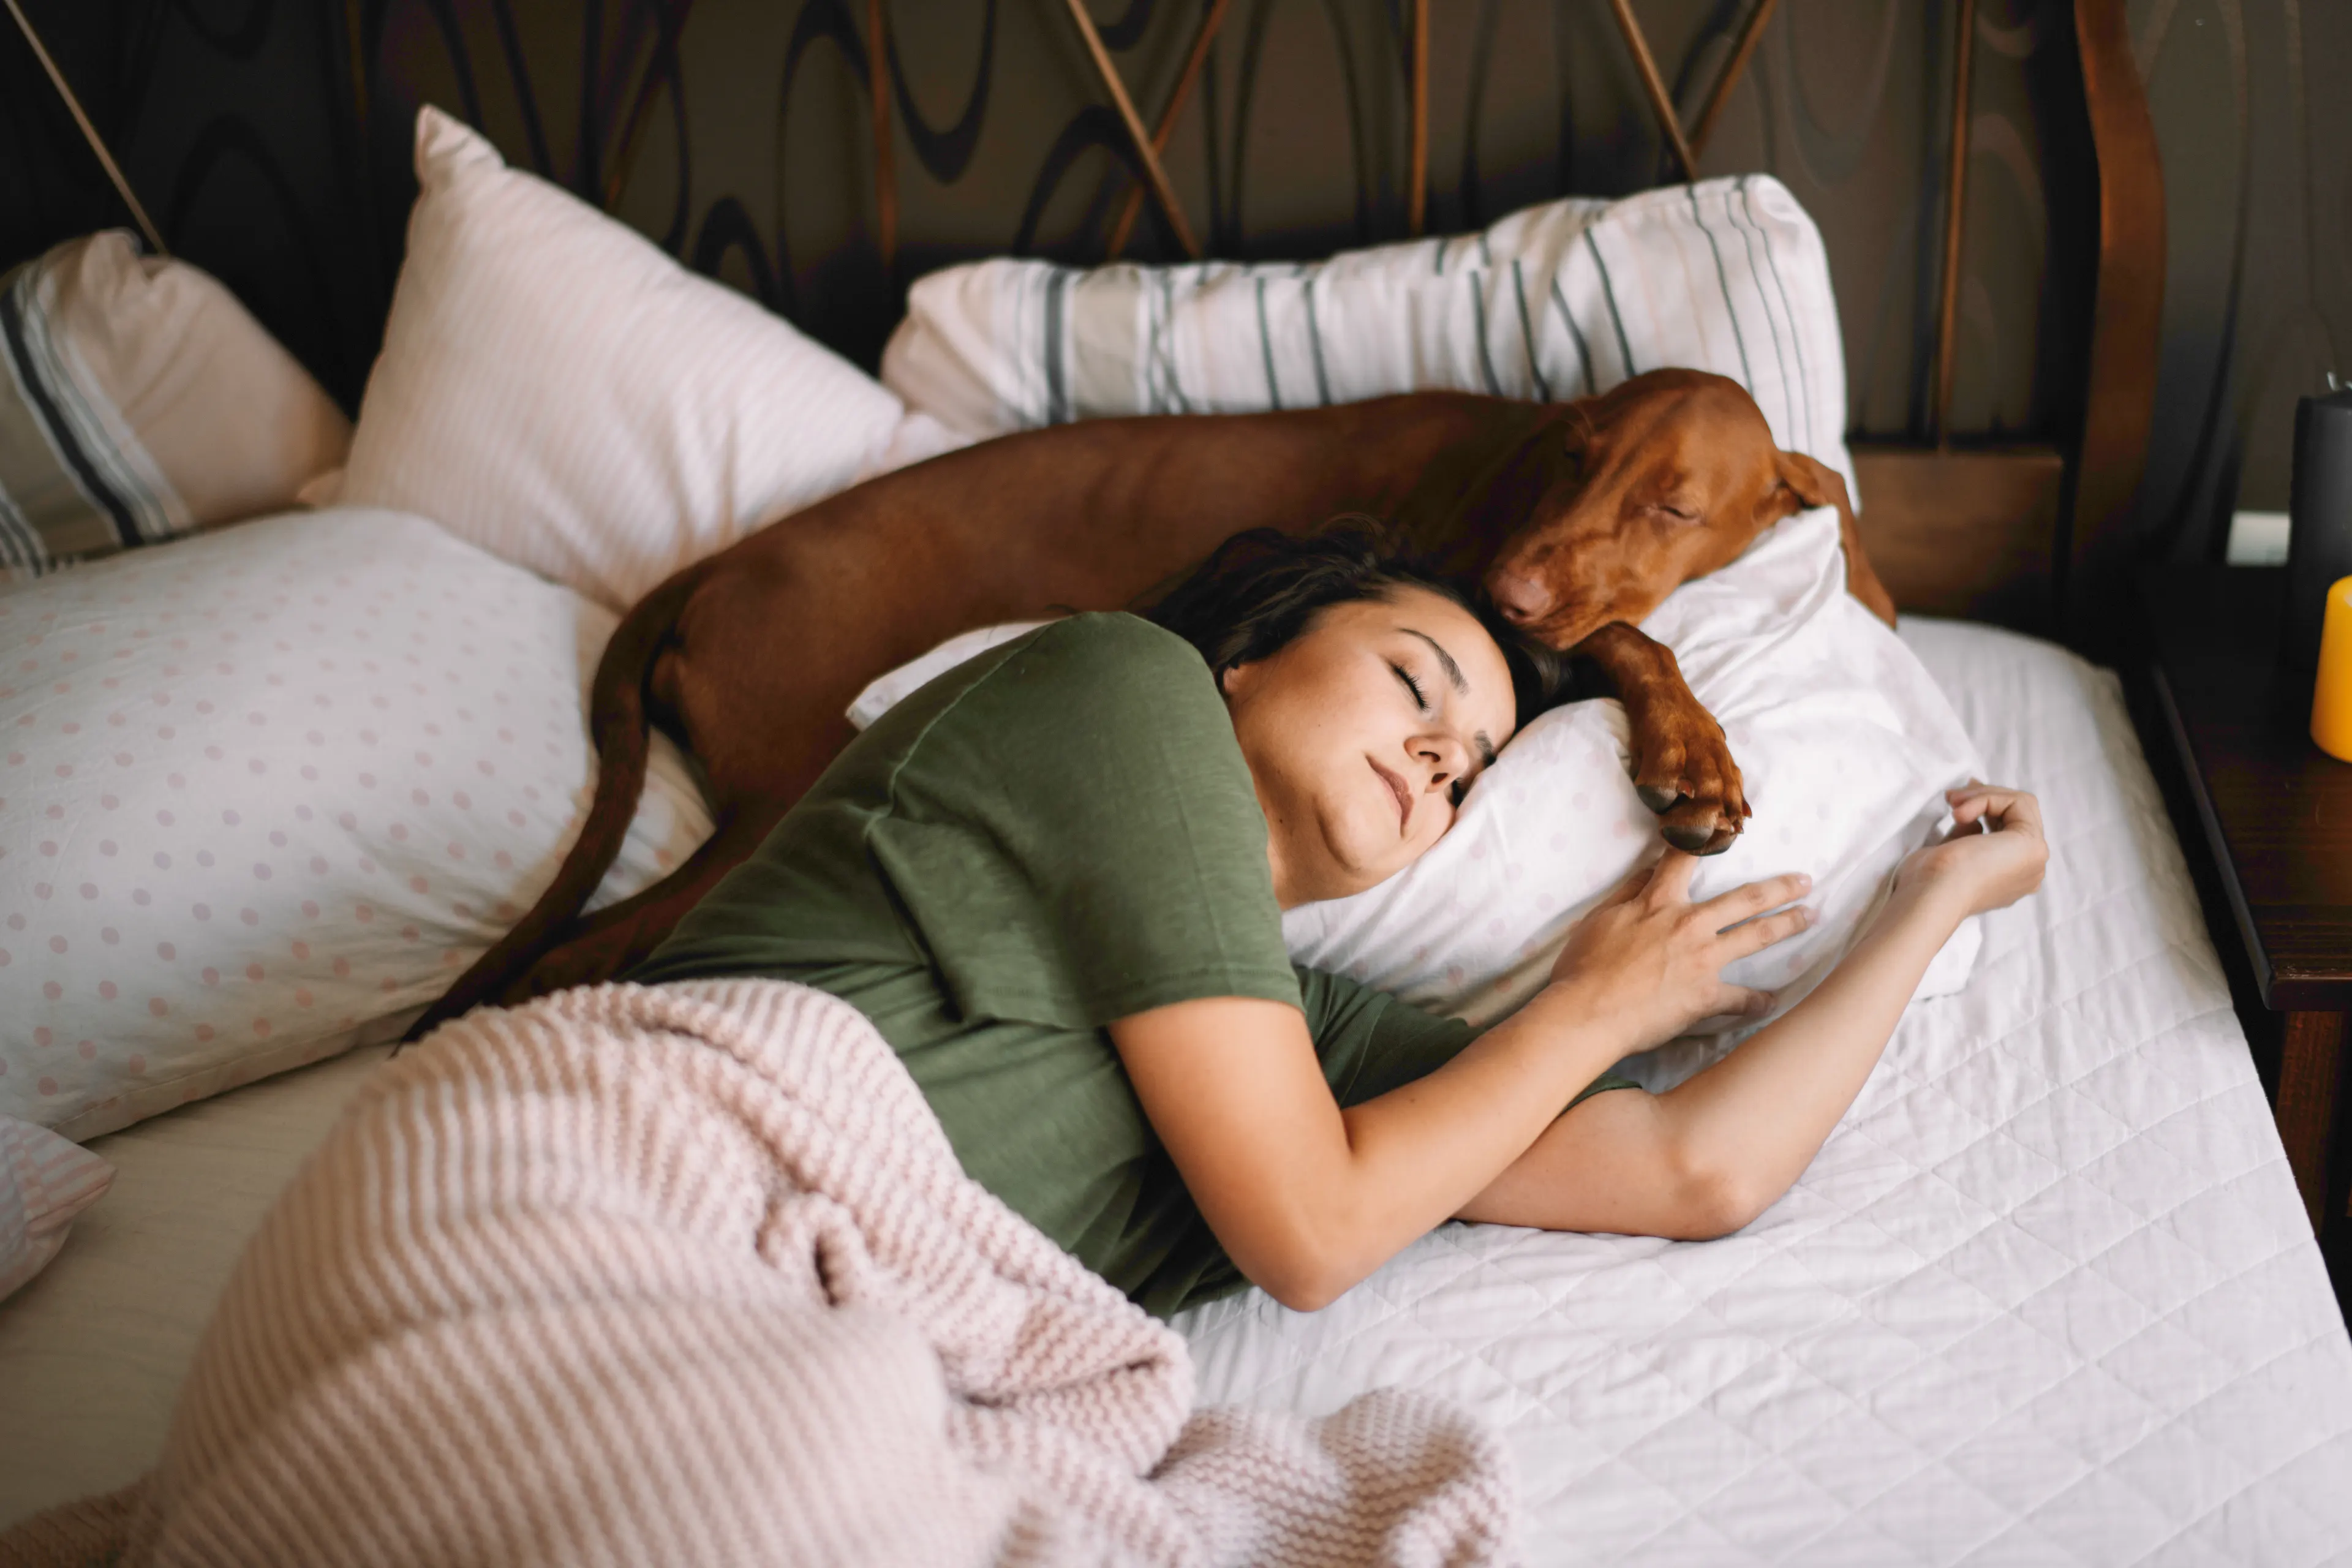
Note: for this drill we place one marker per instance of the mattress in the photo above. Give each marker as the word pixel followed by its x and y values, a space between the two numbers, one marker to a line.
pixel 2047 1295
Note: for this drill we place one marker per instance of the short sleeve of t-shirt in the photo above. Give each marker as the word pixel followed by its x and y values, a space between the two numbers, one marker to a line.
pixel 1368 1042
pixel 1078 837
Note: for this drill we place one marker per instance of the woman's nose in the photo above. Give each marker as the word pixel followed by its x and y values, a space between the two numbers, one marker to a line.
pixel 1446 757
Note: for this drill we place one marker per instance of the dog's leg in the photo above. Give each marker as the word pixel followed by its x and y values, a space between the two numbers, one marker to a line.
pixel 1682 765
pixel 606 944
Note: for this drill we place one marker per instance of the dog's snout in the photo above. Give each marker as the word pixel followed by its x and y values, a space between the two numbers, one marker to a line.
pixel 1522 599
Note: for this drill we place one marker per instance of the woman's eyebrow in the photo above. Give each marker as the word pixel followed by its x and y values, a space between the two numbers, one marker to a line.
pixel 1453 670
pixel 1454 677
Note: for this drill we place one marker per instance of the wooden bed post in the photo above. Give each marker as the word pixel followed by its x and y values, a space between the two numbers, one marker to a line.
pixel 1416 198
pixel 1133 209
pixel 2126 328
pixel 1145 152
pixel 89 132
pixel 1956 210
pixel 1655 85
pixel 1750 32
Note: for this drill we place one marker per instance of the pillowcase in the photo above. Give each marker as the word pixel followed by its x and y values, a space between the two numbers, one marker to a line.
pixel 556 389
pixel 271 789
pixel 45 1183
pixel 139 401
pixel 1845 744
pixel 1560 301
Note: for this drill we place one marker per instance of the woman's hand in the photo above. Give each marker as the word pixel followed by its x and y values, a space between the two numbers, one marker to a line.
pixel 1993 856
pixel 1647 956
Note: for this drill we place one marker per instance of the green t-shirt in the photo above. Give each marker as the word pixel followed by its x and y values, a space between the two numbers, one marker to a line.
pixel 1056 835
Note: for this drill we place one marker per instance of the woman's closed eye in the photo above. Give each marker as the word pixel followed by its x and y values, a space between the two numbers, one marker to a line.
pixel 1459 789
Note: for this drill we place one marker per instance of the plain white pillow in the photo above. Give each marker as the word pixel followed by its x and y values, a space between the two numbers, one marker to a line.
pixel 1556 301
pixel 270 789
pixel 1845 744
pixel 557 390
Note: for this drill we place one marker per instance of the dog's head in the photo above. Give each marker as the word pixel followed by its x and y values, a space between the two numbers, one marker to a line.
pixel 1662 478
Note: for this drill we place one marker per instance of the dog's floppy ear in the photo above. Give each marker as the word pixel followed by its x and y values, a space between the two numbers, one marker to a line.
pixel 1806 482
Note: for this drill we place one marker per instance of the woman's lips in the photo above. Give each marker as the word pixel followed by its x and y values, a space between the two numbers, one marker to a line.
pixel 1404 798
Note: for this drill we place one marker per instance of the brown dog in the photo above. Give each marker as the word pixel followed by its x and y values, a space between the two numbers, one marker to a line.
pixel 1583 516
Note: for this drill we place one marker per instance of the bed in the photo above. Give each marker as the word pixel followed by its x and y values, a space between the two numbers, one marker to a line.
pixel 2048 1294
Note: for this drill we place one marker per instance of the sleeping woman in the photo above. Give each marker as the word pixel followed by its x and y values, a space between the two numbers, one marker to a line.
pixel 1054 878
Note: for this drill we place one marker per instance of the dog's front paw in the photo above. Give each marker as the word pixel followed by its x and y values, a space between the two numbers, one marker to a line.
pixel 1687 775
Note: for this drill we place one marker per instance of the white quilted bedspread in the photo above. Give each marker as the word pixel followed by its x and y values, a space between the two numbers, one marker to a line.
pixel 2048 1295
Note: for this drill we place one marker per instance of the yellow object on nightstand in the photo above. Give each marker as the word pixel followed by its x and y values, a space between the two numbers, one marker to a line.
pixel 2331 698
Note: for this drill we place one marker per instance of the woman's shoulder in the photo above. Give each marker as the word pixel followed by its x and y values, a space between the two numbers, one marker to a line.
pixel 1110 660
pixel 1092 692
pixel 1120 640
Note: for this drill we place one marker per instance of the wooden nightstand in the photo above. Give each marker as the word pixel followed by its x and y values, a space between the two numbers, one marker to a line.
pixel 2276 815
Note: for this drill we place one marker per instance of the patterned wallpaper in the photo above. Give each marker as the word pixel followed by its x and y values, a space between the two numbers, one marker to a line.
pixel 269 140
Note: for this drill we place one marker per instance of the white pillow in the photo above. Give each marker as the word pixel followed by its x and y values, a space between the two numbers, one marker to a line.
pixel 45 1183
pixel 269 789
pixel 1843 739
pixel 1558 302
pixel 555 389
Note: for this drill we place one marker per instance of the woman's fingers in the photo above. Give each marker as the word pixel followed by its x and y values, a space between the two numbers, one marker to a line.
pixel 1671 878
pixel 2002 810
pixel 1754 897
pixel 1755 935
pixel 2022 813
pixel 1632 885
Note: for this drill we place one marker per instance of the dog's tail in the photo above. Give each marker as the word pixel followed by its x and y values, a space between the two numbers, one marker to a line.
pixel 618 729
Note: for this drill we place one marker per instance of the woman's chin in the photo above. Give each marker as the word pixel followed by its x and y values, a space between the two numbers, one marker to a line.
pixel 1358 872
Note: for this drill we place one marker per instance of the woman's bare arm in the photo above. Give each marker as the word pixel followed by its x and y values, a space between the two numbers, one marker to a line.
pixel 1308 1198
pixel 1711 1155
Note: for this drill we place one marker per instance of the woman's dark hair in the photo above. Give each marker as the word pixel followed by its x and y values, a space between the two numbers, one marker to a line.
pixel 1263 589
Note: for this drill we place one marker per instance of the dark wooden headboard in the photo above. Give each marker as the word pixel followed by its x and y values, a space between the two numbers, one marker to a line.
pixel 271 145
pixel 2038 535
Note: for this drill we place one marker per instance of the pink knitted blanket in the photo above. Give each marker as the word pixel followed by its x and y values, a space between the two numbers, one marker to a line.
pixel 690 1273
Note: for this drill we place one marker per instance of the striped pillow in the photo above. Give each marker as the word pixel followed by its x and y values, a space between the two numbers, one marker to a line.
pixel 1560 301
pixel 139 401
pixel 45 1183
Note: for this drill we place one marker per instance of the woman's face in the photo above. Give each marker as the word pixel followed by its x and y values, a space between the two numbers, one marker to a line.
pixel 1362 736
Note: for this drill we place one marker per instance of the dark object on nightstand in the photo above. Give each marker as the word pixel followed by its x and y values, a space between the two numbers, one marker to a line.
pixel 2319 502
pixel 2276 814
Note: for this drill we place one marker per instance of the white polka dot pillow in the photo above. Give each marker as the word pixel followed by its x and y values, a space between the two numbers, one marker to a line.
pixel 268 790
pixel 1845 744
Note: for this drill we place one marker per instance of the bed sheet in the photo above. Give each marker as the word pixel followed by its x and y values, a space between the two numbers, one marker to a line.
pixel 92 1351
pixel 2048 1294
